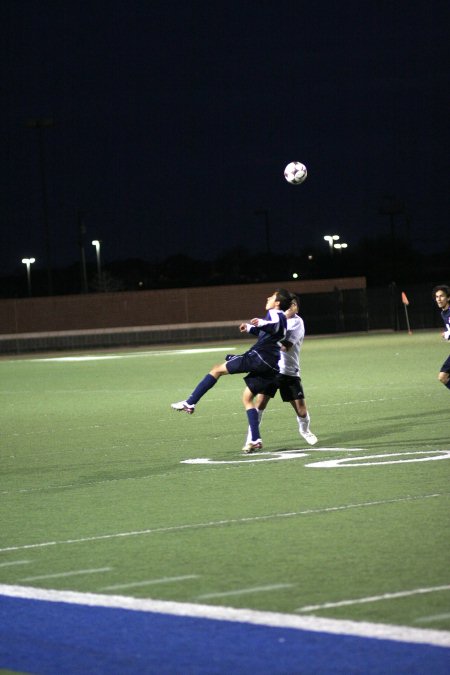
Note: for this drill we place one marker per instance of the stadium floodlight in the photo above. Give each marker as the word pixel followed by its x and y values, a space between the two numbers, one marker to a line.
pixel 96 243
pixel 331 238
pixel 28 262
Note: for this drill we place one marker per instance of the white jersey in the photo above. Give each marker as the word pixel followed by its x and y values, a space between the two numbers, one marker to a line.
pixel 289 362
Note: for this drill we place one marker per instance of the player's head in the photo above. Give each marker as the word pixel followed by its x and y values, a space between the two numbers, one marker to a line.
pixel 293 307
pixel 284 298
pixel 442 296
pixel 294 301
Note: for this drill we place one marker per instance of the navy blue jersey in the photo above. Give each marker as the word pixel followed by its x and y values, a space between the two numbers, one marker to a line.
pixel 446 318
pixel 270 333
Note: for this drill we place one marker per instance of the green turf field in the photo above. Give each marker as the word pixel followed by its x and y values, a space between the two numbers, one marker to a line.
pixel 96 494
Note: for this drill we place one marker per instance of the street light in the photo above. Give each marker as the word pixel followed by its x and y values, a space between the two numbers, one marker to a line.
pixel 96 243
pixel 341 246
pixel 331 238
pixel 28 262
pixel 41 124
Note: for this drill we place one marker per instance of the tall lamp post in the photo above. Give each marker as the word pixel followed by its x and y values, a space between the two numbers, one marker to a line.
pixel 28 262
pixel 40 125
pixel 96 243
pixel 331 239
pixel 265 213
pixel 81 233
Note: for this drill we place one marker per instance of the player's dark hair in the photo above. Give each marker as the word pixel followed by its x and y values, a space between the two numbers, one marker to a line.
pixel 294 298
pixel 284 298
pixel 445 289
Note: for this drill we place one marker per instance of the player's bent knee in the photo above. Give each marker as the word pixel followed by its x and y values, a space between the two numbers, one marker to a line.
pixel 443 377
pixel 218 370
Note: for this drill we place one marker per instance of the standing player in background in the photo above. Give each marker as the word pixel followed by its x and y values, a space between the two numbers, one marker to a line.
pixel 442 297
pixel 260 362
pixel 288 381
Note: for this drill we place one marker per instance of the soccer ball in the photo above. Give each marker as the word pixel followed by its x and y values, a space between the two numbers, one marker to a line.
pixel 295 173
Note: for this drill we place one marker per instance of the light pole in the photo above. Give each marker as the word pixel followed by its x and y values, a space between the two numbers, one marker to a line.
pixel 331 238
pixel 28 262
pixel 81 233
pixel 265 213
pixel 96 243
pixel 40 124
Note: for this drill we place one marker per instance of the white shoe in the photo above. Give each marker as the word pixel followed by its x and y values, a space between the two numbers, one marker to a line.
pixel 309 437
pixel 183 405
pixel 252 446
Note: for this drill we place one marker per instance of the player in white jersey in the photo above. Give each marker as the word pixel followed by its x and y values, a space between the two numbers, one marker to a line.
pixel 288 382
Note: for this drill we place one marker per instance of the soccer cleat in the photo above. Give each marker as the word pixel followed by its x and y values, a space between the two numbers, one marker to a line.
pixel 252 446
pixel 183 405
pixel 309 437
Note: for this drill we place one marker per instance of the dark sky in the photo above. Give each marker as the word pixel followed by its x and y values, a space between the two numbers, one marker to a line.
pixel 173 122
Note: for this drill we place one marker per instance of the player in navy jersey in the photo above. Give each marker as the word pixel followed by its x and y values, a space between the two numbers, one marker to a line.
pixel 288 381
pixel 260 362
pixel 442 297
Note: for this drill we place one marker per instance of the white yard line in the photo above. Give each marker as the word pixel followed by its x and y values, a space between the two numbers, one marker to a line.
pixel 150 582
pixel 67 574
pixel 15 562
pixel 102 357
pixel 373 598
pixel 435 617
pixel 218 523
pixel 244 591
pixel 247 616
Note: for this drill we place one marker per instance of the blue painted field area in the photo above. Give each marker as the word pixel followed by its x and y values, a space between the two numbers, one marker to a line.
pixel 53 637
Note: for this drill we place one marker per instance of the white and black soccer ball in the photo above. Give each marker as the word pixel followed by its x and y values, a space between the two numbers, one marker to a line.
pixel 295 173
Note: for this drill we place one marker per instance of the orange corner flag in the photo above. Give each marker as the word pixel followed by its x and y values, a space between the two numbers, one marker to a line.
pixel 405 299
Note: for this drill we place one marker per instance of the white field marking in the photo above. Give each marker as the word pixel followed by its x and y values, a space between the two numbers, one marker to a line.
pixel 316 624
pixel 274 457
pixel 435 617
pixel 220 523
pixel 373 598
pixel 15 562
pixel 102 357
pixel 346 461
pixel 277 455
pixel 244 591
pixel 150 582
pixel 67 574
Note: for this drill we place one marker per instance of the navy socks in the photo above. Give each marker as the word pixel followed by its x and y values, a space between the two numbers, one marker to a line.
pixel 253 420
pixel 201 389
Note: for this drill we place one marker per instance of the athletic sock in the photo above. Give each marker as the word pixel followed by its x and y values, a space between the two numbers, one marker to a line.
pixel 303 422
pixel 201 389
pixel 249 431
pixel 252 415
pixel 448 385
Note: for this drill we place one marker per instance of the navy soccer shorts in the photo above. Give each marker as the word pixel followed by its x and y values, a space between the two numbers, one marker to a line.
pixel 289 386
pixel 445 368
pixel 260 376
pixel 249 362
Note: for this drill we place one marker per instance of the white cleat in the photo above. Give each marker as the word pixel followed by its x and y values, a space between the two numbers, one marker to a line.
pixel 309 437
pixel 252 446
pixel 183 405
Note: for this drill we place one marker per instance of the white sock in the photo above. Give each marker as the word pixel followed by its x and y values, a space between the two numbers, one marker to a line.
pixel 304 422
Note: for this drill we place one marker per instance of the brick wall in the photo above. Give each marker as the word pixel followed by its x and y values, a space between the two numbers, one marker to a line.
pixel 151 308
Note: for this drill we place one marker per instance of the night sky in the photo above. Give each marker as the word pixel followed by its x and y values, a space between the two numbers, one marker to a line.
pixel 173 122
